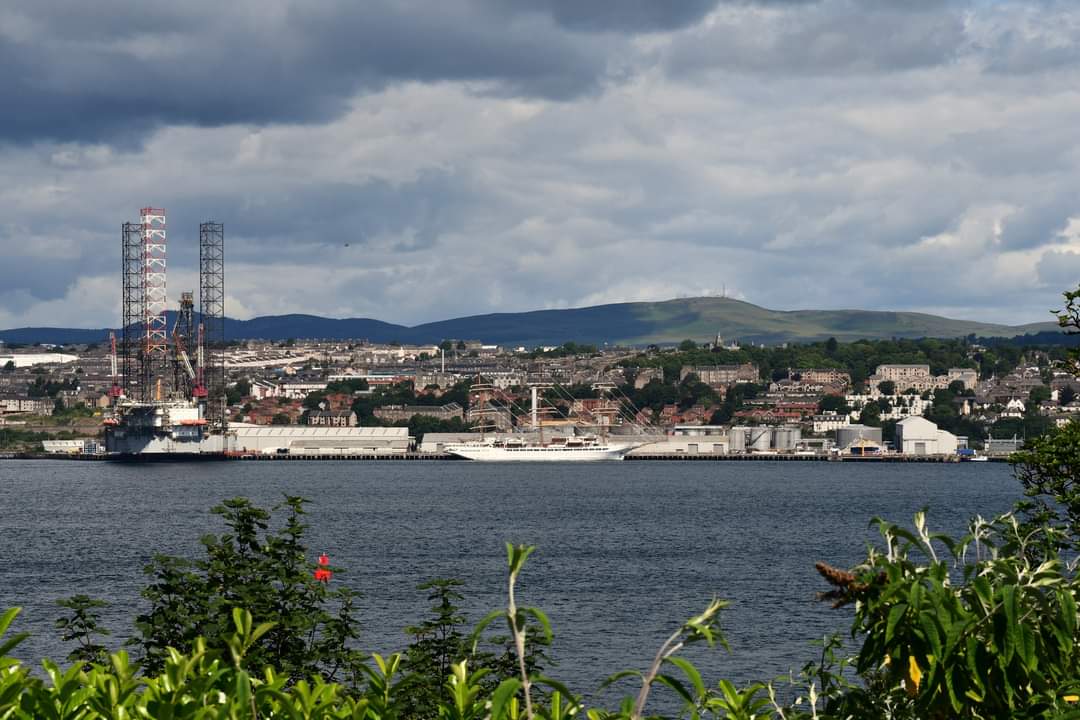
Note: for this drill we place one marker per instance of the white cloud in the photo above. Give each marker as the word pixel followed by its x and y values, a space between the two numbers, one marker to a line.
pixel 917 175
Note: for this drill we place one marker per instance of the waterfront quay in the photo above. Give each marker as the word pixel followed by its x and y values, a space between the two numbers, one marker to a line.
pixel 439 456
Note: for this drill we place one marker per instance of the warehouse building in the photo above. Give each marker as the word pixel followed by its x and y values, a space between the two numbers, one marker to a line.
pixel 919 436
pixel 307 440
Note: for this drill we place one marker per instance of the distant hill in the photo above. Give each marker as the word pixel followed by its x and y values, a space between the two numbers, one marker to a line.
pixel 639 323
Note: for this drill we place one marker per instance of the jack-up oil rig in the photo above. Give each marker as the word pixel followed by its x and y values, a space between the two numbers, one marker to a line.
pixel 168 389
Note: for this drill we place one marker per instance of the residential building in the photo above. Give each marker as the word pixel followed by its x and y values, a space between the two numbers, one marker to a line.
pixel 332 418
pixel 830 422
pixel 918 377
pixel 721 375
pixel 643 376
pixel 399 413
pixel 300 390
pixel 968 376
pixel 438 379
pixel 34 406
pixel 905 377
pixel 820 376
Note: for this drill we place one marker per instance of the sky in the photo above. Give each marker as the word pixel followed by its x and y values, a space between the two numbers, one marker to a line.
pixel 415 161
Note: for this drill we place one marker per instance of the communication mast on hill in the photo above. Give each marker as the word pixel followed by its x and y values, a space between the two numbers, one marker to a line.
pixel 212 314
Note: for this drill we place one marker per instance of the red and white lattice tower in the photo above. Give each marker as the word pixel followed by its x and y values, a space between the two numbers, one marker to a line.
pixel 153 241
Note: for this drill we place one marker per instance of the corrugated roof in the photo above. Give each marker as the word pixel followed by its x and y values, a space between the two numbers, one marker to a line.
pixel 300 431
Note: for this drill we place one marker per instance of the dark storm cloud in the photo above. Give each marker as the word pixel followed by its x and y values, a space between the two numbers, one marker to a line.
pixel 113 70
pixel 299 220
pixel 72 76
pixel 1039 222
pixel 613 15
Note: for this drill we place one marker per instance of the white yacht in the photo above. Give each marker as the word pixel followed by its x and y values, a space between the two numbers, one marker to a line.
pixel 557 449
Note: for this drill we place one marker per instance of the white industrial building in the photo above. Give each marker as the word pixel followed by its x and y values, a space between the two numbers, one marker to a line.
pixel 81 446
pixel 21 360
pixel 306 440
pixel 919 436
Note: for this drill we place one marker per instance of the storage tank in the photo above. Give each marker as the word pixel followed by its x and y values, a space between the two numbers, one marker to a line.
pixel 759 438
pixel 737 439
pixel 786 438
pixel 849 434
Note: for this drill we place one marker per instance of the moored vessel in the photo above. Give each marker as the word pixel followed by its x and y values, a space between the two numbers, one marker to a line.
pixel 558 449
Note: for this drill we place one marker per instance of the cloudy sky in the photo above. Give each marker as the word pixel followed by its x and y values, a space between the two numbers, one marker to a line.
pixel 418 160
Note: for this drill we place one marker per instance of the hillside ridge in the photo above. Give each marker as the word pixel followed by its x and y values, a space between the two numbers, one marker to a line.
pixel 631 323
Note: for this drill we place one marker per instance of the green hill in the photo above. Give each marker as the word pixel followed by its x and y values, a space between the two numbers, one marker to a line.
pixel 703 318
pixel 640 323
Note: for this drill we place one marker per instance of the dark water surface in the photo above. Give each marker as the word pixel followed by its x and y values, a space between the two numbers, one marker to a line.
pixel 626 550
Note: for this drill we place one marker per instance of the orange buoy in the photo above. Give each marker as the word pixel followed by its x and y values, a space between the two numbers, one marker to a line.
pixel 322 573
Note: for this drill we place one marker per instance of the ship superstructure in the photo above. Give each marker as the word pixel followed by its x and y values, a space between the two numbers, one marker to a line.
pixel 170 398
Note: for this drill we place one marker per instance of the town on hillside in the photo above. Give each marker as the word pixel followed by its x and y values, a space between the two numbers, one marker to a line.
pixel 940 398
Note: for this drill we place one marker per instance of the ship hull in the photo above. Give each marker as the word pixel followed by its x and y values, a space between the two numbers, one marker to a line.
pixel 166 457
pixel 486 453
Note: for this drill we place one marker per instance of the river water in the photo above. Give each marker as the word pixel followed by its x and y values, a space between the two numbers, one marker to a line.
pixel 626 551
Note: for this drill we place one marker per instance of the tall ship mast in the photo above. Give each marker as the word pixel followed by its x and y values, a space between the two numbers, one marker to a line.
pixel 554 448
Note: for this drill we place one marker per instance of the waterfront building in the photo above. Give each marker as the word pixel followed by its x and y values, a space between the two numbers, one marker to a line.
pixel 830 422
pixel 306 440
pixel 919 436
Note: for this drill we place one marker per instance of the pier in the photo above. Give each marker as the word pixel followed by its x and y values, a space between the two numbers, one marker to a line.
pixel 431 456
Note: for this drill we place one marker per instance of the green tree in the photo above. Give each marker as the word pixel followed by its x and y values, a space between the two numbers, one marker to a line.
pixel 313 399
pixel 280 419
pixel 1038 395
pixel 1066 395
pixel 887 387
pixel 267 572
pixel 9 367
pixel 833 403
pixel 82 627
pixel 438 644
pixel 687 346
pixel 238 391
pixel 870 415
pixel 1049 470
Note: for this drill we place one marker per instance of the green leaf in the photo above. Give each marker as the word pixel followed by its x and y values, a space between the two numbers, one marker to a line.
pixel 543 620
pixel 1068 611
pixel 676 685
pixel 928 623
pixel 516 555
pixel 559 687
pixel 895 614
pixel 5 622
pixel 619 676
pixel 691 673
pixel 474 639
pixel 1012 612
pixel 506 690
